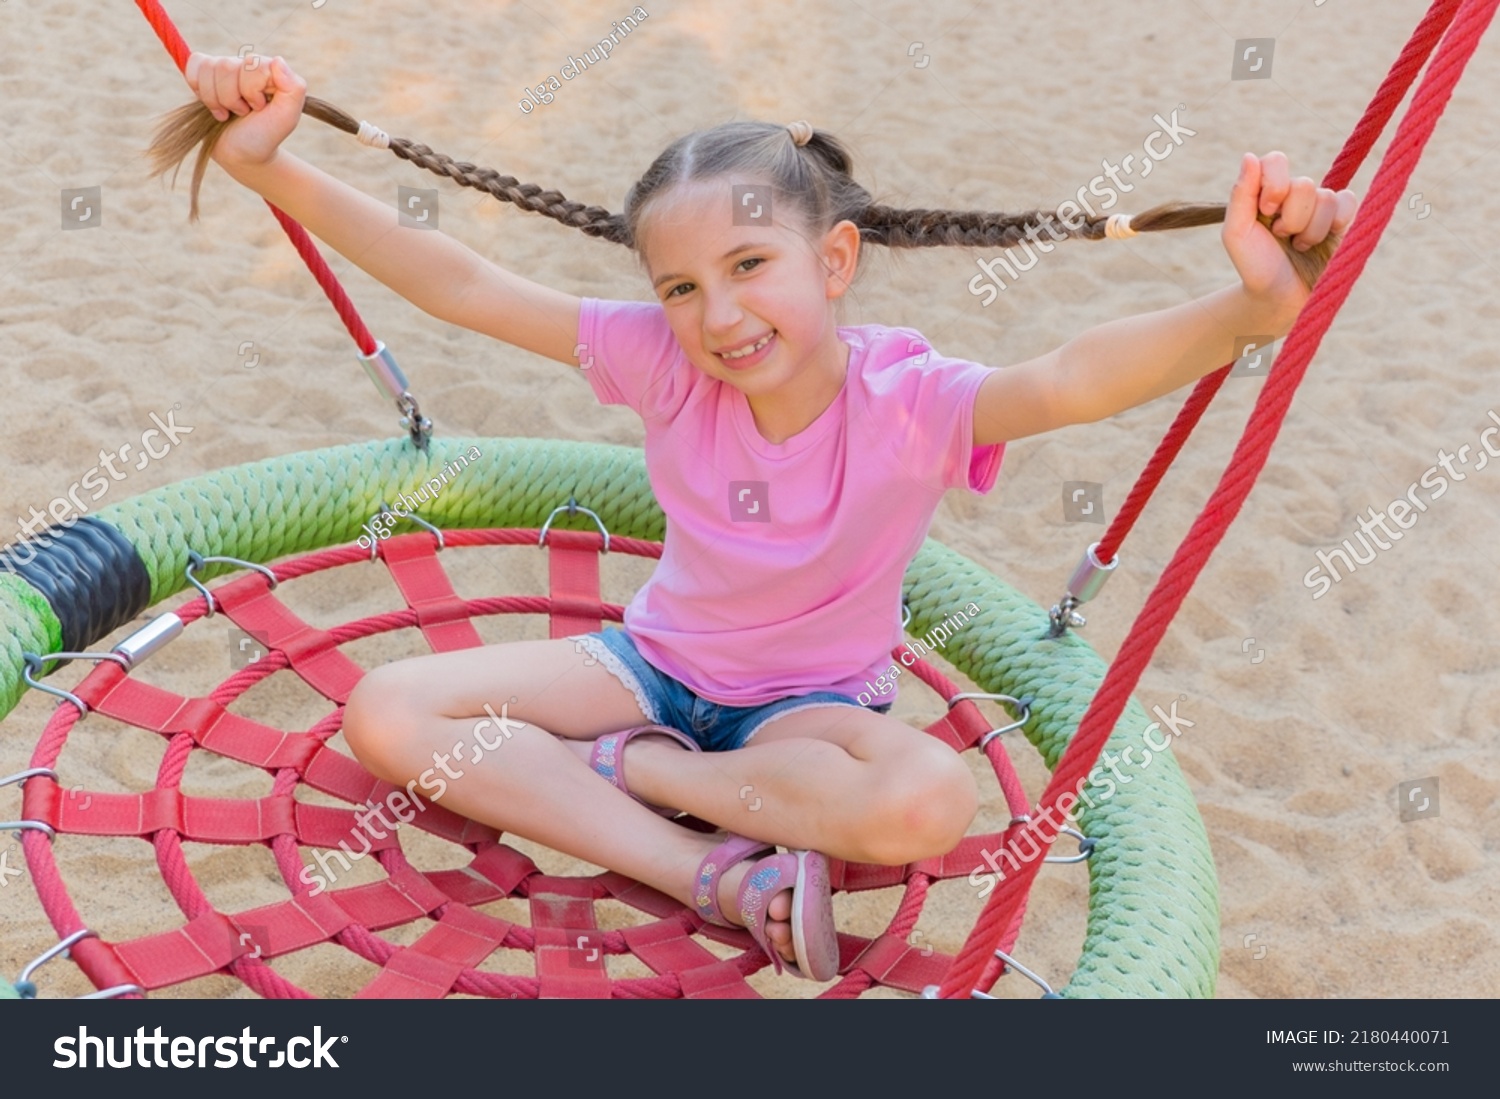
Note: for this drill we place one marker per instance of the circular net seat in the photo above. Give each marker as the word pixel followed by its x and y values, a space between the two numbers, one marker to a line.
pixel 1152 926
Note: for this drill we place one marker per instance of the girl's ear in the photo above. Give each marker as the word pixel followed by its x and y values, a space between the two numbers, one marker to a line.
pixel 841 257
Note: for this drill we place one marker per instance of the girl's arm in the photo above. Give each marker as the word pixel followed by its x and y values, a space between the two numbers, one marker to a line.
pixel 439 275
pixel 434 272
pixel 1130 361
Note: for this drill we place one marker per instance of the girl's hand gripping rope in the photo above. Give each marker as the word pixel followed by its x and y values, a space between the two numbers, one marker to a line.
pixel 1269 211
pixel 262 91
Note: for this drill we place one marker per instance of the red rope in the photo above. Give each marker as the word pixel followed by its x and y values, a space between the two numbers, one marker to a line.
pixel 162 24
pixel 457 937
pixel 1384 103
pixel 1250 456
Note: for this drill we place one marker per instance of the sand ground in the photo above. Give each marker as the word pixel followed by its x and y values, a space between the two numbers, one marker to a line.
pixel 1308 713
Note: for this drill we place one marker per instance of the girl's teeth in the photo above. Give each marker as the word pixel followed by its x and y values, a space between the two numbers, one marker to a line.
pixel 749 350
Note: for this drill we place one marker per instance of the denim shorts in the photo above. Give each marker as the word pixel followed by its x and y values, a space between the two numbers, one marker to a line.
pixel 667 701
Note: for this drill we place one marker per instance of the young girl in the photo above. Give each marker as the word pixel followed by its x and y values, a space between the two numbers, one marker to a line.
pixel 799 465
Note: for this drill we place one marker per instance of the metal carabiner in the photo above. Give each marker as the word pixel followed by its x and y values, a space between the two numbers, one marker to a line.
pixel 197 561
pixel 19 779
pixel 1011 963
pixel 34 662
pixel 26 988
pixel 572 507
pixel 1085 843
pixel 1023 702
pixel 417 519
pixel 931 991
pixel 1085 847
pixel 385 509
pixel 22 776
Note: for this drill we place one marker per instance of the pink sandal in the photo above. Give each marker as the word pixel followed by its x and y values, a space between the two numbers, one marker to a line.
pixel 608 759
pixel 814 936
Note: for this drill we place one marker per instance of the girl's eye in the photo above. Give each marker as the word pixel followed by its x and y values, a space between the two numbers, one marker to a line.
pixel 672 293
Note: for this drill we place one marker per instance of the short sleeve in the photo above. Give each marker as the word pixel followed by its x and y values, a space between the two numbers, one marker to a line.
pixel 629 355
pixel 928 403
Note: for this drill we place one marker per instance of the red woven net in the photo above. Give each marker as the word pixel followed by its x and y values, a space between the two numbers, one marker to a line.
pixel 563 936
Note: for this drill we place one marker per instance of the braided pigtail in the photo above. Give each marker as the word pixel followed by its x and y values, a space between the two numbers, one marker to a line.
pixel 975 229
pixel 806 167
pixel 193 124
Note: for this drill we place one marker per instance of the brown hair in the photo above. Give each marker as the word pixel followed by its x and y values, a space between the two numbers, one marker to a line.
pixel 815 179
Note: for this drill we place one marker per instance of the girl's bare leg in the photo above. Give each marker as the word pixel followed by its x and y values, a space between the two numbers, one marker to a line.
pixel 828 779
pixel 842 780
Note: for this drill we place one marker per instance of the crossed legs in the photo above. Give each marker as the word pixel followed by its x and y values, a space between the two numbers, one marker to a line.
pixel 845 781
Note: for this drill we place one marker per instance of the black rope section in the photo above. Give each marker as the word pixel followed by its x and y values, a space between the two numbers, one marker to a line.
pixel 89 574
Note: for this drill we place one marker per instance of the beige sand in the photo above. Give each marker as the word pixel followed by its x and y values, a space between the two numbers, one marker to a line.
pixel 1295 756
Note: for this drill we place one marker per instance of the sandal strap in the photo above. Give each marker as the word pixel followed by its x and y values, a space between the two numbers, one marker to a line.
pixel 734 850
pixel 608 758
pixel 766 878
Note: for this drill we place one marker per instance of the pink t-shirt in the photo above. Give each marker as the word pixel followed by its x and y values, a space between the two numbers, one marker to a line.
pixel 782 567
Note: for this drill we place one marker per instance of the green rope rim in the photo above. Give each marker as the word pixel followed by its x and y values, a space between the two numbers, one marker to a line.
pixel 1153 921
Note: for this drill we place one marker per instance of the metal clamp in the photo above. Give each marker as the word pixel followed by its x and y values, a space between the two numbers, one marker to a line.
pixel 931 991
pixel 1088 578
pixel 197 561
pixel 385 509
pixel 149 638
pixel 26 988
pixel 24 985
pixel 116 992
pixel 572 507
pixel 1024 703
pixel 418 426
pixel 19 778
pixel 1011 963
pixel 905 615
pixel 34 662
pixel 1085 843
pixel 381 366
pixel 1085 846
pixel 1062 615
pixel 22 776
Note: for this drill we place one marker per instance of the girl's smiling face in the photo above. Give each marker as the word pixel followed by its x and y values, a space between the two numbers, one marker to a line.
pixel 726 287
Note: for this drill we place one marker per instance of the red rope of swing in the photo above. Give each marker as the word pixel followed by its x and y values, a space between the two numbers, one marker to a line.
pixel 1389 96
pixel 162 24
pixel 976 961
